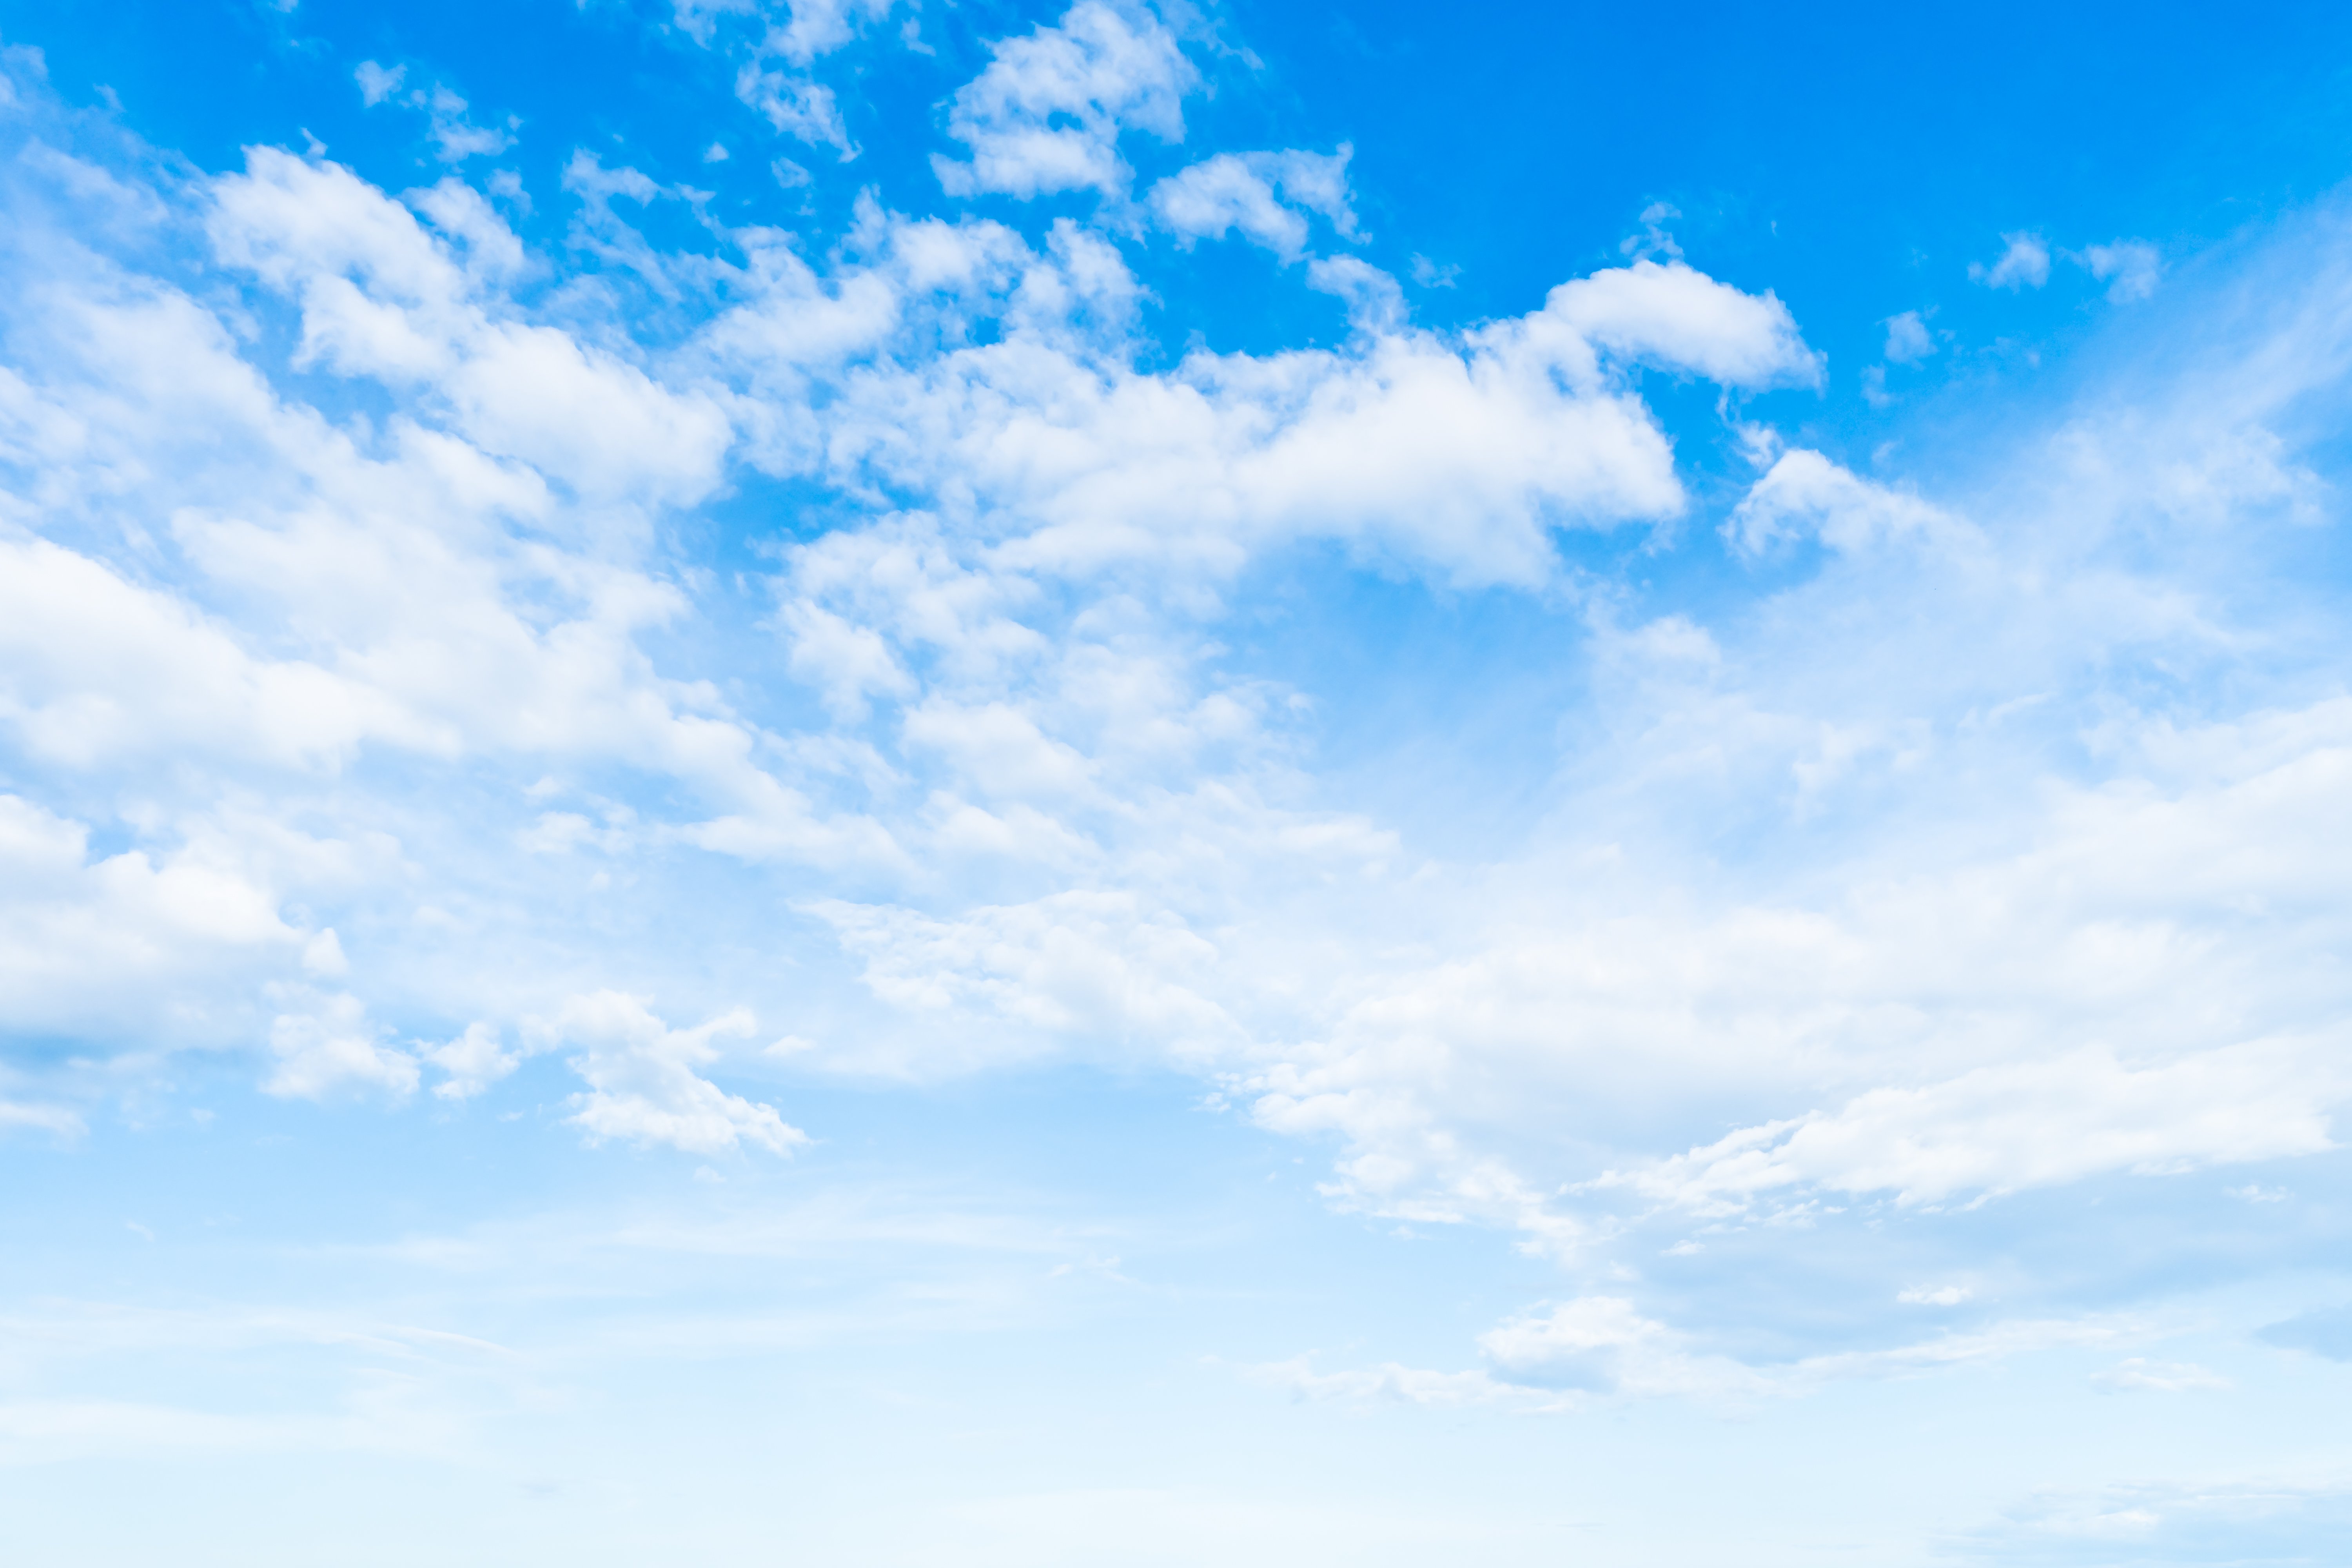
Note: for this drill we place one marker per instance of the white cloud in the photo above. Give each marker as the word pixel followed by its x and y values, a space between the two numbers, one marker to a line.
pixel 1674 316
pixel 381 298
pixel 1934 1295
pixel 1101 970
pixel 1456 454
pixel 124 947
pixel 1908 340
pixel 643 1086
pixel 1431 275
pixel 329 1046
pixel 2025 264
pixel 473 1061
pixel 456 138
pixel 775 76
pixel 1601 1343
pixel 1805 495
pixel 100 669
pixel 814 28
pixel 1375 302
pixel 796 106
pixel 1961 1016
pixel 1212 198
pixel 1047 113
pixel 376 83
pixel 2130 267
pixel 1260 194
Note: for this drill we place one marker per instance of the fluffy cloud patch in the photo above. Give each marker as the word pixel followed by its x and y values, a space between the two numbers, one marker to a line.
pixel 641 1083
pixel 1261 194
pixel 2129 267
pixel 1907 338
pixel 2024 263
pixel 1805 495
pixel 1047 113
pixel 329 1046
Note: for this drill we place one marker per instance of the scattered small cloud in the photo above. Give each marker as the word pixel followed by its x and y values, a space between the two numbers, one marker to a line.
pixel 1907 338
pixel 1934 1296
pixel 377 83
pixel 1431 275
pixel 1654 240
pixel 455 136
pixel 2025 264
pixel 2129 267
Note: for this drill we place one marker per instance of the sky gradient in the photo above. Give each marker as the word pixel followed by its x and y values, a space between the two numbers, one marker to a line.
pixel 853 783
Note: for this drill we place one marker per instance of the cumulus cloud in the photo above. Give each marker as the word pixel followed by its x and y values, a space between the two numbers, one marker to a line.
pixel 2024 263
pixel 641 1083
pixel 1375 303
pixel 329 1046
pixel 1804 495
pixel 1908 340
pixel 2129 267
pixel 1047 113
pixel 814 28
pixel 776 76
pixel 473 1061
pixel 1459 453
pixel 377 83
pixel 1432 274
pixel 118 948
pixel 1261 194
pixel 1603 1345
pixel 796 106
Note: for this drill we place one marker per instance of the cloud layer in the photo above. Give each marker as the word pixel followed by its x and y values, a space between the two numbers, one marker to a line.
pixel 380 715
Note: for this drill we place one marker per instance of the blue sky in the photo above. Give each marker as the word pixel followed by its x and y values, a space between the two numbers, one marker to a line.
pixel 863 784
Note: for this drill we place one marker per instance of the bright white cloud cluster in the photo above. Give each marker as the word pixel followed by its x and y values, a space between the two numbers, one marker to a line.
pixel 2024 263
pixel 1261 195
pixel 1047 113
